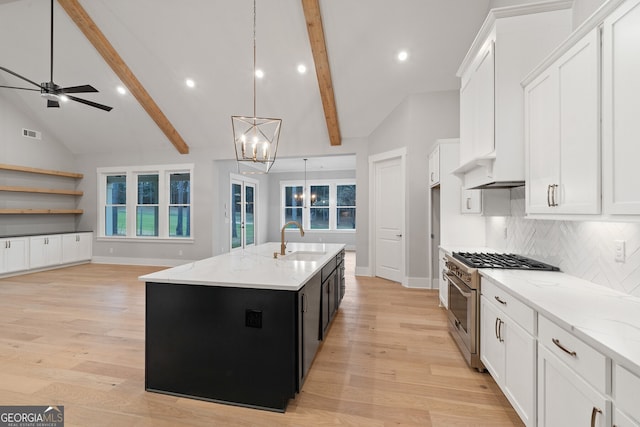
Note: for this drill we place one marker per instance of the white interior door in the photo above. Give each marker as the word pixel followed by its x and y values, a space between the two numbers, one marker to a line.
pixel 389 219
pixel 243 214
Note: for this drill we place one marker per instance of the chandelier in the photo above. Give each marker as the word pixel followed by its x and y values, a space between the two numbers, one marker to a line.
pixel 255 139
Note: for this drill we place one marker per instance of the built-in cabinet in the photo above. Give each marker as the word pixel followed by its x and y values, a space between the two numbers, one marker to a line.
pixel 443 288
pixel 434 166
pixel 14 254
pixel 76 247
pixel 562 133
pixel 621 103
pixel 477 96
pixel 45 251
pixel 549 375
pixel 510 43
pixel 21 254
pixel 573 379
pixel 508 348
pixel 581 122
pixel 626 411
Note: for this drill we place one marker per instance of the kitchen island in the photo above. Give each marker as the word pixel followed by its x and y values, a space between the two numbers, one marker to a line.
pixel 241 328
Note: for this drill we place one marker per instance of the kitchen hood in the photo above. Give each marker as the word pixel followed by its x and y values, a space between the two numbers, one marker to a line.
pixel 491 172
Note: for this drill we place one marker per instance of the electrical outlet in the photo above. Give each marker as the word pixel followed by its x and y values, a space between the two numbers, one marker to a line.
pixel 110 250
pixel 253 318
pixel 619 246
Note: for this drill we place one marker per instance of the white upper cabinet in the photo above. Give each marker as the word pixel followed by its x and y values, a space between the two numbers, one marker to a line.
pixel 476 107
pixel 434 167
pixel 620 110
pixel 510 43
pixel 562 133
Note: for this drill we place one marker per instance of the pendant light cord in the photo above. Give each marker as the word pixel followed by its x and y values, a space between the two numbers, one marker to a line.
pixel 254 61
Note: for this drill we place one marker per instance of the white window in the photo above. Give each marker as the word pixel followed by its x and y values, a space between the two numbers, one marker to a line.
pixel 322 205
pixel 146 202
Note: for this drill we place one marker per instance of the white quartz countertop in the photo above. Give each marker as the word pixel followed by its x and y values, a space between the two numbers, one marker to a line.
pixel 606 319
pixel 254 267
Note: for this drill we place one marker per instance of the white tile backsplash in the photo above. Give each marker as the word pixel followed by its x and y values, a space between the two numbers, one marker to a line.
pixel 581 248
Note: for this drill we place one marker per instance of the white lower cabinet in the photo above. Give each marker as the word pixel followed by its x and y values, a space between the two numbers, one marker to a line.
pixel 508 350
pixel 565 398
pixel 626 387
pixel 443 288
pixel 14 254
pixel 76 247
pixel 45 251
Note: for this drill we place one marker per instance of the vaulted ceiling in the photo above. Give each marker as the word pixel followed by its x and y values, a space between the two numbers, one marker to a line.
pixel 164 42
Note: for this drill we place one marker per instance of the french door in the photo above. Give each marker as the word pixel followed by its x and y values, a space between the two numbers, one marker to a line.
pixel 243 213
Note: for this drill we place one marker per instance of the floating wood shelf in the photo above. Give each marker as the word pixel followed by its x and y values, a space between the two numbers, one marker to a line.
pixel 40 190
pixel 40 211
pixel 41 171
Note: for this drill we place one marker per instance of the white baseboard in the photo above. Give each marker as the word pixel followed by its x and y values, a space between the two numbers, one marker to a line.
pixel 363 271
pixel 160 262
pixel 417 283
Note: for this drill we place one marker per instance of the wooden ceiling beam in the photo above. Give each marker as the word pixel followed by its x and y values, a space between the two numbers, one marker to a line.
pixel 91 31
pixel 321 60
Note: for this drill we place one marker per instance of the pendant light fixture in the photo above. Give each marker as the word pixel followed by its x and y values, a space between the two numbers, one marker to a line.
pixel 255 138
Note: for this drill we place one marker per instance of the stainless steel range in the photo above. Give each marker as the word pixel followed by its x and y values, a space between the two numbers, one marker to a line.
pixel 463 282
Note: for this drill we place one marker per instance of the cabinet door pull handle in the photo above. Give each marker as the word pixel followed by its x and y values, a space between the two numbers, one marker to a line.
pixel 499 300
pixel 496 329
pixel 549 195
pixel 432 180
pixel 563 348
pixel 500 331
pixel 553 195
pixel 468 203
pixel 594 413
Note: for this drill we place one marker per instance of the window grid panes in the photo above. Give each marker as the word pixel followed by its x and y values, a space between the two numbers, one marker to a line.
pixel 293 202
pixel 180 204
pixel 147 208
pixel 115 223
pixel 331 206
pixel 346 207
pixel 319 210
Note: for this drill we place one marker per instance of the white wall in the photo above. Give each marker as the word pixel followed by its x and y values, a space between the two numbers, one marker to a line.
pixel 416 124
pixel 47 153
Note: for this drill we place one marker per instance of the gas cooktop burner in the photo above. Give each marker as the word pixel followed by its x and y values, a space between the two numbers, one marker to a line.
pixel 507 261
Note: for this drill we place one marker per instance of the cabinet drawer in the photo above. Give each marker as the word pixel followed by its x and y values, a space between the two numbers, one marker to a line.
pixel 521 313
pixel 585 360
pixel 328 269
pixel 626 388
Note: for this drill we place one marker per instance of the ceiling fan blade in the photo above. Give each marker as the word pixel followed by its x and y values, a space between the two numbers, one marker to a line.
pixel 90 103
pixel 19 76
pixel 51 103
pixel 78 89
pixel 21 88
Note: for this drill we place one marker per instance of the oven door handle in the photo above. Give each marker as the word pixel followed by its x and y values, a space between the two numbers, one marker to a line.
pixel 451 278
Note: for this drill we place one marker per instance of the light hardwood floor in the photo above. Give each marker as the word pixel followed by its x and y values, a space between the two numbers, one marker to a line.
pixel 75 337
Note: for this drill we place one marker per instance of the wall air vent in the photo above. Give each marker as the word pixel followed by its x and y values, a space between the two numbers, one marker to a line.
pixel 33 134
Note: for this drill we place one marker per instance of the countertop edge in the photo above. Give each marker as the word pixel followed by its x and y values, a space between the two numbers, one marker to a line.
pixel 615 356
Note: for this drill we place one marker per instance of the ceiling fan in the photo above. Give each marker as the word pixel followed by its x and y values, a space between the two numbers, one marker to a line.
pixel 51 91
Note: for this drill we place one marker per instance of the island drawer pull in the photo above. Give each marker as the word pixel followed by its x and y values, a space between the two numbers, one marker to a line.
pixel 563 348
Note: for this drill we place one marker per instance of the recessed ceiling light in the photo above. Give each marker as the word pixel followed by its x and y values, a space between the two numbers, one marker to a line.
pixel 121 90
pixel 403 55
pixel 190 83
pixel 302 68
pixel 259 74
